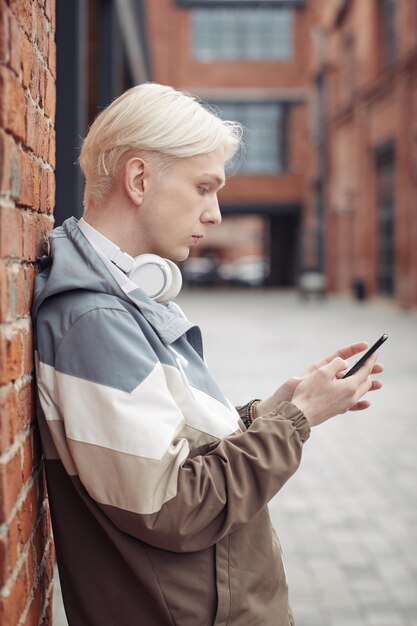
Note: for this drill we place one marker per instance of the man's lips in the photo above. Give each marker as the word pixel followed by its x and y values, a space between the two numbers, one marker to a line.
pixel 197 238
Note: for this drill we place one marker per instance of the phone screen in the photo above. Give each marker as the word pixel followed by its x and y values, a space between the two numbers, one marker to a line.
pixel 366 356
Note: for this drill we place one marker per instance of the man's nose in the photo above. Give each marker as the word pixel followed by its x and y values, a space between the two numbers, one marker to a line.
pixel 212 215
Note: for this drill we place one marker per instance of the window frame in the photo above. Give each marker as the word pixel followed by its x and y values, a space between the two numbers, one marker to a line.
pixel 294 4
pixel 218 37
pixel 282 132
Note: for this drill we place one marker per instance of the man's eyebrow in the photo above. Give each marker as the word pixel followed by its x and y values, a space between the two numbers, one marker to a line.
pixel 220 181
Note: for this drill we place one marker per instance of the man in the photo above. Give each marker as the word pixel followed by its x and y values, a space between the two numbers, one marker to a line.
pixel 158 487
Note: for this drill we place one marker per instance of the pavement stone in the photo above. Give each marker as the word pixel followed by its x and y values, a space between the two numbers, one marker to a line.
pixel 347 520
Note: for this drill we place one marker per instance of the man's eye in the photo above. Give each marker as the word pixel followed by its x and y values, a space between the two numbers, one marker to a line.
pixel 203 190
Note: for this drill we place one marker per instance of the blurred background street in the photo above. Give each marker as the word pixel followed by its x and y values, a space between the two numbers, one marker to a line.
pixel 347 520
pixel 325 189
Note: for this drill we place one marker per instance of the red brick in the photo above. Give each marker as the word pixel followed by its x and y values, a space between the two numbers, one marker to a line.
pixel 36 600
pixel 4 33
pixel 43 590
pixel 36 228
pixel 47 191
pixel 4 569
pixel 42 138
pixel 12 606
pixel 9 550
pixel 5 295
pixel 25 405
pixel 11 356
pixel 52 147
pixel 28 55
pixel 42 35
pixel 12 104
pixel 22 291
pixel 8 417
pixel 52 12
pixel 15 47
pixel 38 542
pixel 34 78
pixel 51 187
pixel 44 191
pixel 11 228
pixel 32 114
pixel 4 565
pixel 15 172
pixel 42 81
pixel 52 54
pixel 28 361
pixel 32 615
pixel 16 290
pixel 9 168
pixel 29 176
pixel 46 518
pixel 49 9
pixel 40 575
pixel 26 515
pixel 24 13
pixel 6 290
pixel 17 411
pixel 26 459
pixel 36 186
pixel 50 95
pixel 10 485
pixel 29 277
pixel 5 160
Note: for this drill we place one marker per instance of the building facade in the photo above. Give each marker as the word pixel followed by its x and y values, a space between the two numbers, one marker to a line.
pixel 248 60
pixel 327 92
pixel 366 151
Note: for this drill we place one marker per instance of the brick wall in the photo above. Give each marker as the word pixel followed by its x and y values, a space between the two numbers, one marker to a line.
pixel 27 152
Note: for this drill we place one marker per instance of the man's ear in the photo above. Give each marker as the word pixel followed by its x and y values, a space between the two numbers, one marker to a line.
pixel 134 179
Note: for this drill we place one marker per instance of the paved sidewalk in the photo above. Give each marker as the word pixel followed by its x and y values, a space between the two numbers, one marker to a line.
pixel 347 520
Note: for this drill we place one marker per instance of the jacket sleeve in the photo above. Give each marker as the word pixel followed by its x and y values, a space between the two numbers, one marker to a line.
pixel 127 439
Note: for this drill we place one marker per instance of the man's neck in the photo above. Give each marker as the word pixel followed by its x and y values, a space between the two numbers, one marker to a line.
pixel 116 224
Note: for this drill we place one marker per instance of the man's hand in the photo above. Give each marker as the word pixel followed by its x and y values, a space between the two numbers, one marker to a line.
pixel 287 390
pixel 325 392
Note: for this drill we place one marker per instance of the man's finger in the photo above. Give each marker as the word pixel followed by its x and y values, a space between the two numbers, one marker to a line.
pixel 336 365
pixel 361 405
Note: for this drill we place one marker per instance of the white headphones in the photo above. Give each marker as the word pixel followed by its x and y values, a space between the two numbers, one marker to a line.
pixel 159 278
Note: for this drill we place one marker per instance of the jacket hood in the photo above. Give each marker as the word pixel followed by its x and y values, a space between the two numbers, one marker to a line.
pixel 73 264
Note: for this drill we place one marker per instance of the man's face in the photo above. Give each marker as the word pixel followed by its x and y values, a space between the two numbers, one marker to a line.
pixel 180 204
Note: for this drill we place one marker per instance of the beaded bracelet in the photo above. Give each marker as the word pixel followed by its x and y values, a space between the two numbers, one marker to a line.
pixel 250 412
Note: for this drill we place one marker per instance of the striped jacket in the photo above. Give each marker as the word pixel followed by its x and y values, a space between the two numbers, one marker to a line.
pixel 158 494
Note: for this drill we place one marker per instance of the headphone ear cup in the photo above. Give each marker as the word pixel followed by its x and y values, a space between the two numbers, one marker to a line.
pixel 176 283
pixel 159 278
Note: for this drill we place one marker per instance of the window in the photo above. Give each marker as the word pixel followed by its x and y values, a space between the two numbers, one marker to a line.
pixel 387 20
pixel 244 3
pixel 265 137
pixel 229 34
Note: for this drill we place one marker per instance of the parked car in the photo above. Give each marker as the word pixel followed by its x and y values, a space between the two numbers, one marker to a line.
pixel 247 271
pixel 201 271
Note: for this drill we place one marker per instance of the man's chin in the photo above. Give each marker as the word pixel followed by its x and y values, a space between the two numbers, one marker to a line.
pixel 180 255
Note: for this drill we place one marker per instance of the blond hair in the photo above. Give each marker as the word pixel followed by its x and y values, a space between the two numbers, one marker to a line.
pixel 156 122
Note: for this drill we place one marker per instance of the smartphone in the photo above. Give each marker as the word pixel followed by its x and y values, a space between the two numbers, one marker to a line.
pixel 366 356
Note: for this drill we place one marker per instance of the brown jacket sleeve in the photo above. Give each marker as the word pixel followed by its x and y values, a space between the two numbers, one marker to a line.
pixel 224 489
